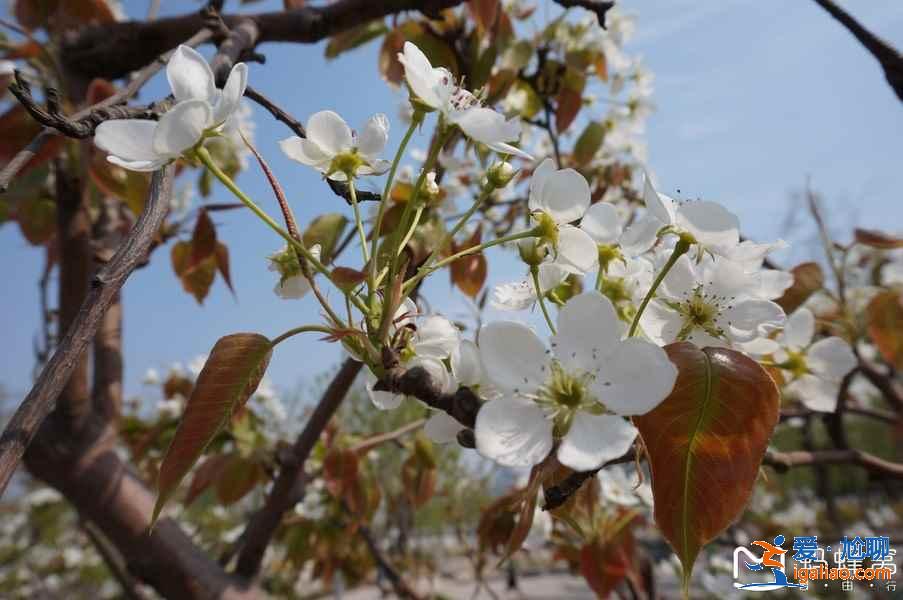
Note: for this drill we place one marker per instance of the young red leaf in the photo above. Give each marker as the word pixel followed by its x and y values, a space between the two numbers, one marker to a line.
pixel 877 239
pixel 231 374
pixel 885 326
pixel 807 279
pixel 222 265
pixel 705 444
pixel 239 475
pixel 209 471
pixel 203 239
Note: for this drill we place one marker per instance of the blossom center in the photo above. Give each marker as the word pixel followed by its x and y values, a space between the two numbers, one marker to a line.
pixel 701 310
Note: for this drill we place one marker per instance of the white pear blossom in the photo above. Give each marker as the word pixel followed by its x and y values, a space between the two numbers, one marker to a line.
pixel 292 283
pixel 618 488
pixel 712 226
pixel 577 393
pixel 815 370
pixel 200 110
pixel 435 88
pixel 333 148
pixel 709 303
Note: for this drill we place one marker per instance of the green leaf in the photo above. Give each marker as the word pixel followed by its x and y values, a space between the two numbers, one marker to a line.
pixel 231 374
pixel 705 444
pixel 589 143
pixel 325 230
pixel 354 38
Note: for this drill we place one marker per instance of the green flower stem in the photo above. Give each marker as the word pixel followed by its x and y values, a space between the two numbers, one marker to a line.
pixel 682 247
pixel 357 220
pixel 600 279
pixel 441 137
pixel 412 229
pixel 416 120
pixel 205 158
pixel 302 329
pixel 534 272
pixel 424 270
pixel 484 193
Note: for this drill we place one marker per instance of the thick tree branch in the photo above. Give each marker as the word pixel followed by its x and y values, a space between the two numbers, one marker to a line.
pixel 783 461
pixel 288 489
pixel 104 287
pixel 112 50
pixel 891 60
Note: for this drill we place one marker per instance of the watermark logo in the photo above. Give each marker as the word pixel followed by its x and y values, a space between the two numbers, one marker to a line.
pixel 867 560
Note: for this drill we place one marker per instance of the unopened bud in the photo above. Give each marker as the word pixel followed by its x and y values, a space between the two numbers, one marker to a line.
pixel 532 251
pixel 500 174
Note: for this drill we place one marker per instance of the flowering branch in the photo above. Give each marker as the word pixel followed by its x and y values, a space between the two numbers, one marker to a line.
pixel 557 495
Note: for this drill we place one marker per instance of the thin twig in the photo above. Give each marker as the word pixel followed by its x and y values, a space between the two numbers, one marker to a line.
pixel 401 587
pixel 104 287
pixel 114 563
pixel 783 461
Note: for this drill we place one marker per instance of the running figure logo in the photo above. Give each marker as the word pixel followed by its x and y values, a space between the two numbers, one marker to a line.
pixel 772 558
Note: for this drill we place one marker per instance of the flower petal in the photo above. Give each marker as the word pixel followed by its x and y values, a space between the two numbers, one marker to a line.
pixel 748 318
pixel 486 126
pixel 381 400
pixel 514 295
pixel 814 392
pixel 503 148
pixel 565 195
pixel 577 252
pixel 602 224
pixel 513 433
pixel 514 357
pixel 138 165
pixel 305 152
pixel 466 365
pixel 637 376
pixel 436 337
pixel 640 236
pixel 127 139
pixel 190 76
pixel 330 132
pixel 181 127
pixel 711 224
pixel 441 428
pixel 422 78
pixel 831 358
pixel 799 329
pixel 230 99
pixel 659 205
pixel 588 331
pixel 594 440
pixel 540 175
pixel 374 135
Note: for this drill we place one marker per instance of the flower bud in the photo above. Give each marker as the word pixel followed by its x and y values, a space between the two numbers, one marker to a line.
pixel 500 174
pixel 532 251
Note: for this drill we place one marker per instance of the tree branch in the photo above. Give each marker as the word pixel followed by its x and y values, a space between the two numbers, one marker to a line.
pixel 114 49
pixel 104 287
pixel 890 59
pixel 288 489
pixel 401 587
pixel 557 495
pixel 600 7
pixel 783 461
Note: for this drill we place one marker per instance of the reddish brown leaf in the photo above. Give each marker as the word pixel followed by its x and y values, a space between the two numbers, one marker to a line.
pixel 885 326
pixel 340 471
pixel 604 564
pixel 195 280
pixel 484 12
pixel 877 239
pixel 346 278
pixel 389 67
pixel 17 129
pixel 807 279
pixel 569 100
pixel 203 240
pixel 469 272
pixel 98 90
pixel 231 374
pixel 208 472
pixel 705 444
pixel 222 265
pixel 37 219
pixel 238 477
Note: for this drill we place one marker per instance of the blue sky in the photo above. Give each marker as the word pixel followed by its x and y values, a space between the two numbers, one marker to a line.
pixel 752 98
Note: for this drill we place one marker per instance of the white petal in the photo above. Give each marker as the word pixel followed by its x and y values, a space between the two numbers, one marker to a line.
pixel 442 428
pixel 773 283
pixel 329 131
pixel 436 371
pixel 799 329
pixel 658 205
pixel 710 223
pixel 503 148
pixel 681 280
pixel 588 331
pixel 815 393
pixel 660 323
pixel 727 278
pixel 515 295
pixel 577 252
pixel 138 165
pixel 181 127
pixel 759 346
pixel 565 195
pixel 831 358
pixel 127 139
pixel 405 314
pixel 486 126
pixel 381 400
pixel 436 337
pixel 540 175
pixel 551 275
pixel 602 224
pixel 292 288
pixel 375 166
pixel 513 356
pixel 466 365
pixel 641 235
pixel 190 76
pixel 374 135
pixel 747 318
pixel 305 152
pixel 635 379
pixel 513 433
pixel 422 78
pixel 594 440
pixel 232 93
